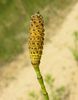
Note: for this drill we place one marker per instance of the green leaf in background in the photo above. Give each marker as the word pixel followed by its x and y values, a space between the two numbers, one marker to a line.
pixel 14 18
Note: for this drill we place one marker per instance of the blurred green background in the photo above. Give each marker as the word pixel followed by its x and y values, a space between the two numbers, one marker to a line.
pixel 14 21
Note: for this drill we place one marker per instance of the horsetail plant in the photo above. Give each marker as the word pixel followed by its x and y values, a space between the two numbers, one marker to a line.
pixel 36 41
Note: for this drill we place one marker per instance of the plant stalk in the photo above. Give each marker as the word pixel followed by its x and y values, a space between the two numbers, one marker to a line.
pixel 41 82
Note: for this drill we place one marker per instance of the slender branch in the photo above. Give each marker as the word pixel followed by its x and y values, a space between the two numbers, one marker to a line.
pixel 41 82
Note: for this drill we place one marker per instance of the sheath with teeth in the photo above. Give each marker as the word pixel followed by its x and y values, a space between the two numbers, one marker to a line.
pixel 36 38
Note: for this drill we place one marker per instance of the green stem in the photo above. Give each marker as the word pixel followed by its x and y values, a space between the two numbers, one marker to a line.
pixel 41 82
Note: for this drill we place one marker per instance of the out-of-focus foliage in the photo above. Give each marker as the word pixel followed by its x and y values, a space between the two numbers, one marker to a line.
pixel 14 15
pixel 59 93
pixel 75 50
pixel 14 18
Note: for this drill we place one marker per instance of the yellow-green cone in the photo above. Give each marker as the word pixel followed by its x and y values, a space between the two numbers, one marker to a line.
pixel 36 38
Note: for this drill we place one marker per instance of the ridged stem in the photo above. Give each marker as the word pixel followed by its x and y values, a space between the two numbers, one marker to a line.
pixel 41 82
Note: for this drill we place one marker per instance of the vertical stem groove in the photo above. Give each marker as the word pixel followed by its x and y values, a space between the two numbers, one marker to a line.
pixel 41 82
